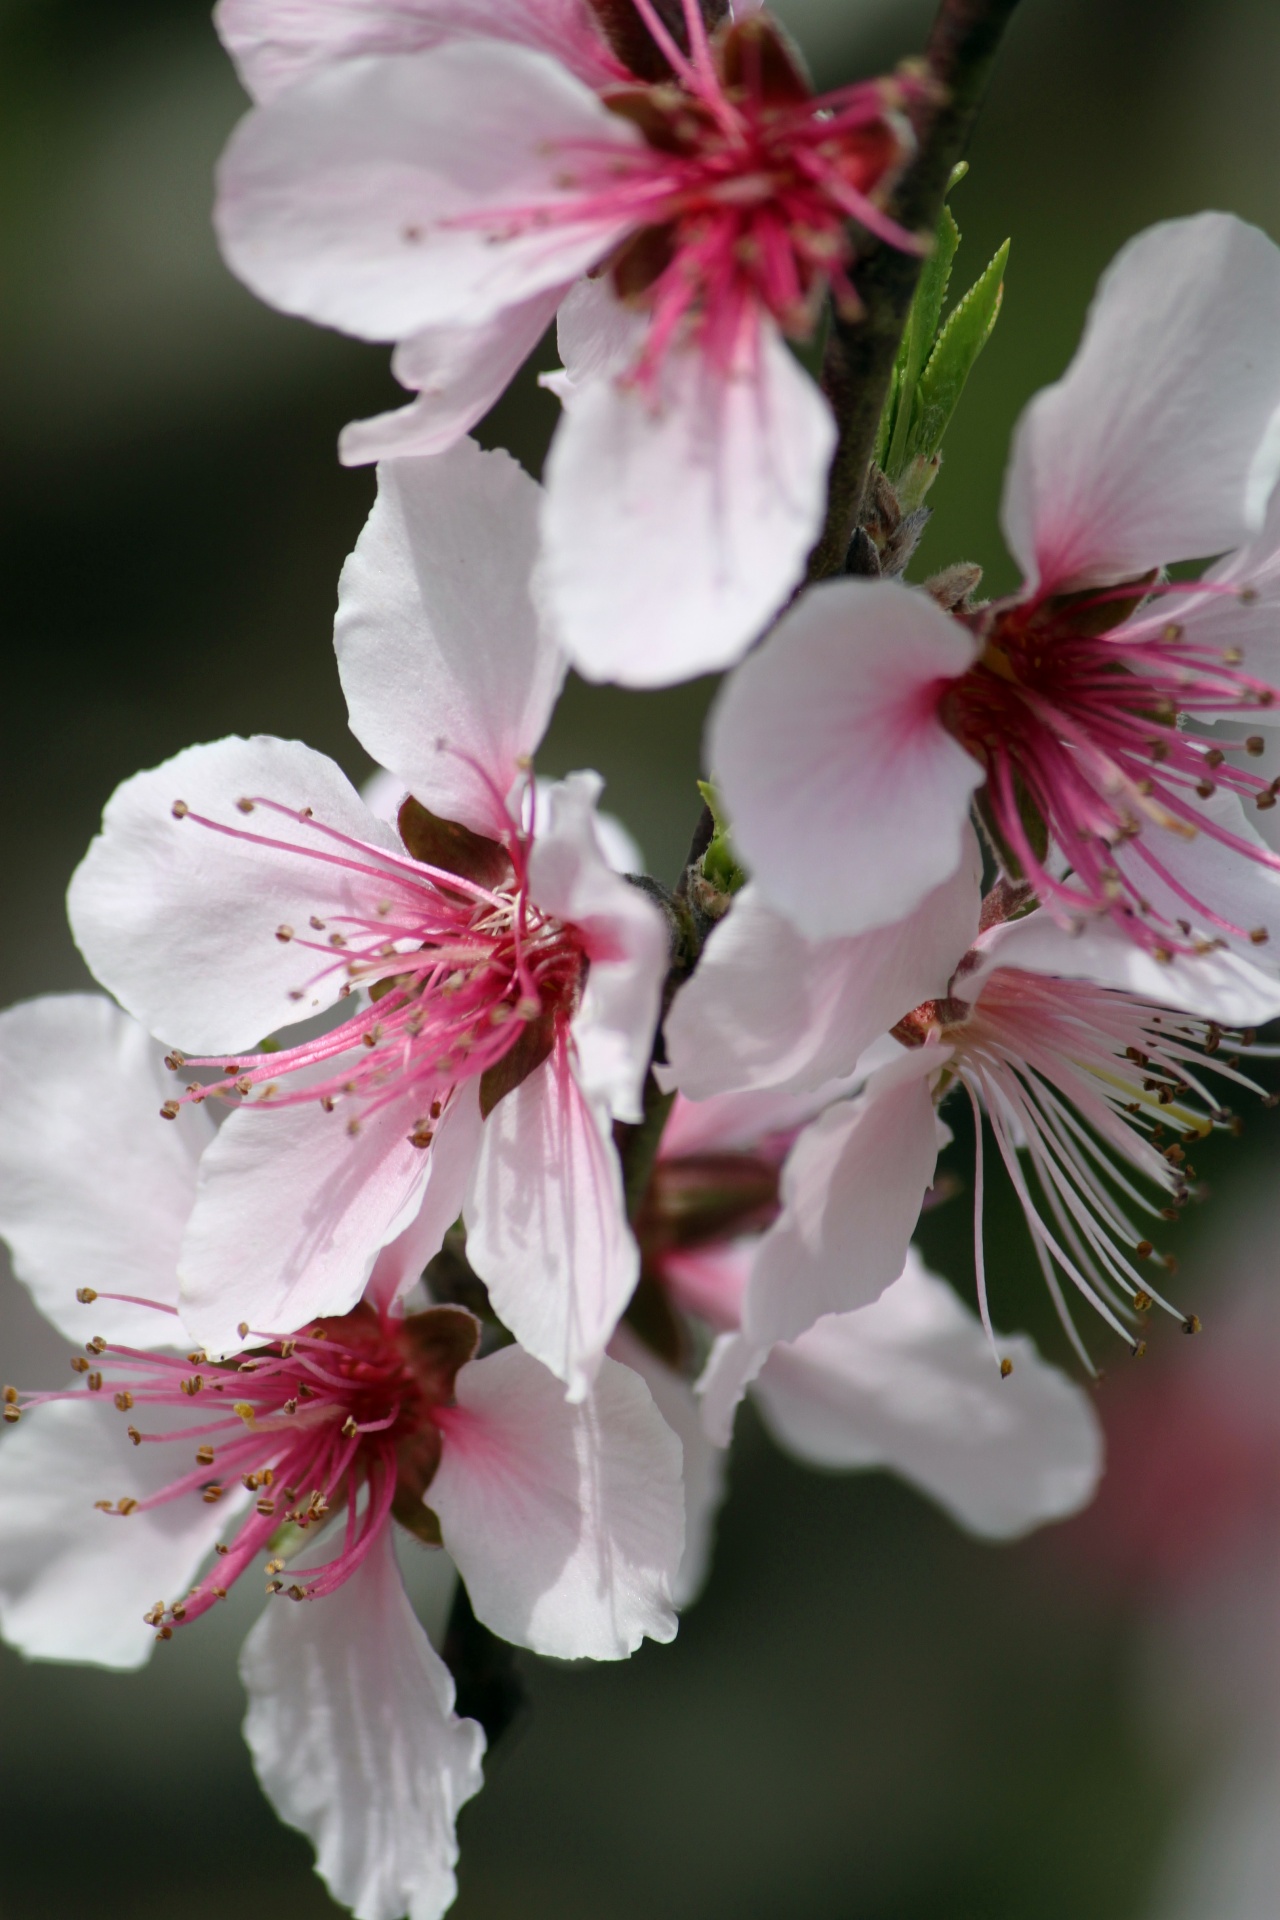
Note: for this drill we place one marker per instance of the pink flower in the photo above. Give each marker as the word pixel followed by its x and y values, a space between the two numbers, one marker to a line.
pixel 499 981
pixel 448 199
pixel 851 745
pixel 905 1383
pixel 1084 1055
pixel 564 1521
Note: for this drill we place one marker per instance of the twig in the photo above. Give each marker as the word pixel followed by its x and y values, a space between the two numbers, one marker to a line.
pixel 860 353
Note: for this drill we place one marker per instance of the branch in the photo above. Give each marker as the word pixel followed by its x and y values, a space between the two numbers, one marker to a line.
pixel 860 353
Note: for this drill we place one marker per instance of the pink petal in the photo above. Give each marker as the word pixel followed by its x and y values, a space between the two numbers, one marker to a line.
pixel 911 1383
pixel 180 921
pixel 456 373
pixel 566 1521
pixel 449 676
pixel 1250 626
pixel 625 937
pixel 75 1583
pixel 95 1187
pixel 292 1211
pixel 677 521
pixel 1153 446
pixel 355 1741
pixel 847 797
pixel 768 1008
pixel 339 200
pixel 546 1224
pixel 277 43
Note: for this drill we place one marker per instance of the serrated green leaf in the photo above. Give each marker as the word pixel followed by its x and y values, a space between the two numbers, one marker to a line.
pixel 966 332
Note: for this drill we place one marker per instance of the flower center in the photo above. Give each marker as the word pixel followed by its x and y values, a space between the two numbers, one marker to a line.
pixel 740 198
pixel 341 1418
pixel 1082 727
pixel 462 974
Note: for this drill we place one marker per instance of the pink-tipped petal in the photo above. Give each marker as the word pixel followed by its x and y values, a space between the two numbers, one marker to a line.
pixel 911 1383
pixel 546 1222
pixel 847 797
pixel 456 374
pixel 1154 445
pixel 768 1008
pixel 678 517
pixel 450 677
pixel 292 1211
pixel 95 1187
pixel 75 1582
pixel 182 922
pixel 566 1521
pixel 277 43
pixel 625 938
pixel 356 1743
pixel 346 199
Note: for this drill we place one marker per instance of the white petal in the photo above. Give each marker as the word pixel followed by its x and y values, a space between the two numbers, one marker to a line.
pixel 276 43
pixel 1250 625
pixel 1241 889
pixel 546 1223
pixel 449 677
pixel 457 373
pixel 95 1187
pixel 292 1211
pixel 355 1741
pixel 598 335
pixel 566 1522
pixel 676 523
pixel 625 938
pixel 851 1192
pixel 911 1383
pixel 848 798
pixel 1215 986
pixel 768 1008
pixel 704 1461
pixel 335 201
pixel 74 1582
pixel 730 1122
pixel 1146 450
pixel 180 921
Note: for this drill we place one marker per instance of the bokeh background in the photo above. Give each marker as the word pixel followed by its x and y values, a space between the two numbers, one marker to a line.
pixel 868 1716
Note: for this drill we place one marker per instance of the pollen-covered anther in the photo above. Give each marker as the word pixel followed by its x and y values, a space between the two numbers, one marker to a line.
pixel 284 933
pixel 1006 1367
pixel 274 1566
pixel 86 1296
pixel 127 1506
pixel 1142 1301
pixel 1191 1324
pixel 170 1110
pixel 79 1364
pixel 212 1494
pixel 1259 936
pixel 244 805
pixel 179 809
pixel 204 1456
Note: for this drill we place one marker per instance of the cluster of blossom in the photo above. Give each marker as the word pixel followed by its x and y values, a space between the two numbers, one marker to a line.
pixel 541 1168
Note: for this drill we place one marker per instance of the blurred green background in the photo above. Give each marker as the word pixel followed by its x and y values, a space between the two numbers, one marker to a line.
pixel 868 1716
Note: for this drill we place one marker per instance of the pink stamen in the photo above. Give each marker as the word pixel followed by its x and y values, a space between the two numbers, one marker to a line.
pixel 1092 730
pixel 749 193
pixel 454 972
pixel 347 1414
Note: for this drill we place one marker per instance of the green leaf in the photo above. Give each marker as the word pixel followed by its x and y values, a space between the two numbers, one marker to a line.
pixel 967 330
pixel 918 340
pixel 719 862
